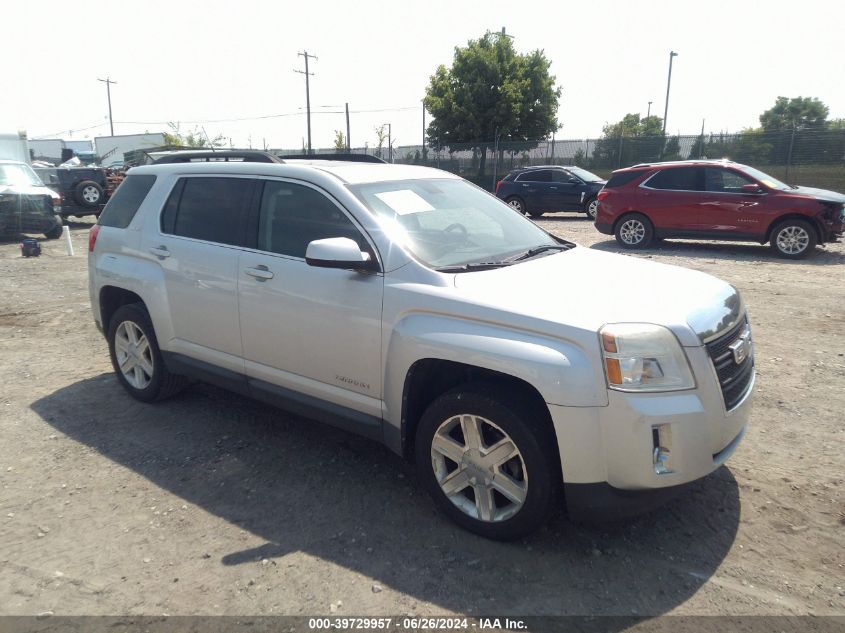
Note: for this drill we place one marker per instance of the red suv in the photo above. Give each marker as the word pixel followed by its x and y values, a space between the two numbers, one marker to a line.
pixel 717 200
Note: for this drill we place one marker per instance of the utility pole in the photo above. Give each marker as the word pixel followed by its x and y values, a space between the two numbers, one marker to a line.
pixel 423 134
pixel 648 114
pixel 672 55
pixel 389 144
pixel 307 92
pixel 348 142
pixel 108 83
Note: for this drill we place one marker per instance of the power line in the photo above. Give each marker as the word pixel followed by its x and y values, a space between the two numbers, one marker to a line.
pixel 265 116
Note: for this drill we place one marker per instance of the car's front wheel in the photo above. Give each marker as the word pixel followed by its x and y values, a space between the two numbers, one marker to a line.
pixel 136 357
pixel 488 461
pixel 793 239
pixel 634 231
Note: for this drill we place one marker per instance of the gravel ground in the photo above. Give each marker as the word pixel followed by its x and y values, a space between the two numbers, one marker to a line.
pixel 214 504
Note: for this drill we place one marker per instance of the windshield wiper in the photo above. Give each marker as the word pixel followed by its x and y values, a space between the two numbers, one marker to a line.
pixel 533 252
pixel 473 266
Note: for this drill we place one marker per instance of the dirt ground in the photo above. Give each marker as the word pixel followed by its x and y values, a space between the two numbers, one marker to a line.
pixel 214 504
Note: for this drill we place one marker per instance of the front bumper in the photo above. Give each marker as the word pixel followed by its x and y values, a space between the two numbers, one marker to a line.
pixel 609 457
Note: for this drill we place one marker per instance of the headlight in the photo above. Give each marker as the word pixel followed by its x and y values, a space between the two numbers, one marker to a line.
pixel 644 357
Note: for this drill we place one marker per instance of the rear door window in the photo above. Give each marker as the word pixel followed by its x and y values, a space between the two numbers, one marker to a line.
pixel 536 175
pixel 622 178
pixel 678 179
pixel 126 200
pixel 210 209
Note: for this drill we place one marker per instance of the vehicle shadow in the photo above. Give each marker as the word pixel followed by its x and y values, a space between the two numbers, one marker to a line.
pixel 732 251
pixel 306 487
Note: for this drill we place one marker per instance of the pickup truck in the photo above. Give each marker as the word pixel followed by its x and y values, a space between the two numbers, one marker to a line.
pixel 410 306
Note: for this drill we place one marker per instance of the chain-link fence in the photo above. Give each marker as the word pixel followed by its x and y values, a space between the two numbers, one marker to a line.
pixel 810 157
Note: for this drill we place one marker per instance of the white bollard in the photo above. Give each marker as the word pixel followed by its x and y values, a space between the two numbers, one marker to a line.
pixel 68 243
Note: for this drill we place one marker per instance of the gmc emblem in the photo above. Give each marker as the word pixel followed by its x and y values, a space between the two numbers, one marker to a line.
pixel 741 347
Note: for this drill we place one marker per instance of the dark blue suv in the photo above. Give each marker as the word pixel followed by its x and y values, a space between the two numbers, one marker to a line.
pixel 536 190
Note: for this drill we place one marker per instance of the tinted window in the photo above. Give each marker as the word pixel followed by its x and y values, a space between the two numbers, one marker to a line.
pixel 536 175
pixel 293 215
pixel 677 179
pixel 208 209
pixel 724 180
pixel 125 201
pixel 622 178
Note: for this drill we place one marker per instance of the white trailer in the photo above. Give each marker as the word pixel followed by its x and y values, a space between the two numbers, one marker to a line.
pixel 14 147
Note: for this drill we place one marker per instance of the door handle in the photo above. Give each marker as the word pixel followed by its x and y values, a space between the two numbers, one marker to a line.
pixel 261 272
pixel 553 188
pixel 160 251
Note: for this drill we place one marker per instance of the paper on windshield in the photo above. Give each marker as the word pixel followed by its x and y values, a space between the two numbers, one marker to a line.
pixel 404 201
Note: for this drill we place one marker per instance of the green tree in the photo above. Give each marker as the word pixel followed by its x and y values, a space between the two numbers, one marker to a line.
pixel 641 139
pixel 799 113
pixel 491 90
pixel 339 141
pixel 194 138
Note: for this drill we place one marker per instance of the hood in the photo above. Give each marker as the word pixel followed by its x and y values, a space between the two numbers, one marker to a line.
pixel 820 194
pixel 586 289
pixel 29 190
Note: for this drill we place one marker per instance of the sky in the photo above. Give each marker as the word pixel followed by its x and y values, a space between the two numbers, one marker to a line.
pixel 207 63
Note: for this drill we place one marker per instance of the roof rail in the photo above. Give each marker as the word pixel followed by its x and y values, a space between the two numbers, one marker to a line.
pixel 351 158
pixel 222 156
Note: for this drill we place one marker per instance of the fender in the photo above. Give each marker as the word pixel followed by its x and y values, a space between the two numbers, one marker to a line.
pixel 561 370
pixel 143 277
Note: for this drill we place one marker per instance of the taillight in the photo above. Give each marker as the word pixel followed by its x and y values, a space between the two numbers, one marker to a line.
pixel 92 237
pixel 499 184
pixel 604 193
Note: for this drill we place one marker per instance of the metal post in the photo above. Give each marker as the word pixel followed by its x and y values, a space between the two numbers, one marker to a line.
pixel 389 144
pixel 789 154
pixel 701 147
pixel 620 151
pixel 648 114
pixel 672 54
pixel 348 142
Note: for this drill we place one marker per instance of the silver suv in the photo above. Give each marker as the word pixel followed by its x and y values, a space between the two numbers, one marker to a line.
pixel 405 304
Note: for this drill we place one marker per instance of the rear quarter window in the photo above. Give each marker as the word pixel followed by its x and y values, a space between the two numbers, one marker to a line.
pixel 622 178
pixel 126 200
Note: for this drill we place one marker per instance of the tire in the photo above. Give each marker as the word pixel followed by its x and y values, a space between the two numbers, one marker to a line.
pixel 501 418
pixel 536 214
pixel 591 207
pixel 517 204
pixel 147 379
pixel 634 230
pixel 793 239
pixel 56 232
pixel 88 194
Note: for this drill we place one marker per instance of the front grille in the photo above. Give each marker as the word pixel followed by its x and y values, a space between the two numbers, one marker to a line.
pixel 734 378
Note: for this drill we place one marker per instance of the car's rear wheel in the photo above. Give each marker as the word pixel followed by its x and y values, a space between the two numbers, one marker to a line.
pixel 136 357
pixel 517 204
pixel 55 232
pixel 793 239
pixel 591 207
pixel 487 461
pixel 634 231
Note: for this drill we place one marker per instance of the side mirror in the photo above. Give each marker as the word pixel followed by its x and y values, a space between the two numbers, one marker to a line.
pixel 338 252
pixel 752 189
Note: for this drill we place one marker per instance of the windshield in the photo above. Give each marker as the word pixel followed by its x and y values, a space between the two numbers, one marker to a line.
pixel 767 180
pixel 450 222
pixel 18 174
pixel 583 174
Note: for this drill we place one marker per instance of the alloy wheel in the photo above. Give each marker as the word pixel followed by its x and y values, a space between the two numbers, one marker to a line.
pixel 593 208
pixel 632 232
pixel 793 240
pixel 90 194
pixel 479 468
pixel 134 355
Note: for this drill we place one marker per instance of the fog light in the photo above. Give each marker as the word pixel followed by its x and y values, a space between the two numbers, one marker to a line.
pixel 661 454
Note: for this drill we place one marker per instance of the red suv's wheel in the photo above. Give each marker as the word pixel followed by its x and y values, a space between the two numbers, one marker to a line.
pixel 634 230
pixel 793 239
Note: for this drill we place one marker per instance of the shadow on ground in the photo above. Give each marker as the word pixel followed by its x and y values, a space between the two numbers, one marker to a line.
pixel 305 487
pixel 732 251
